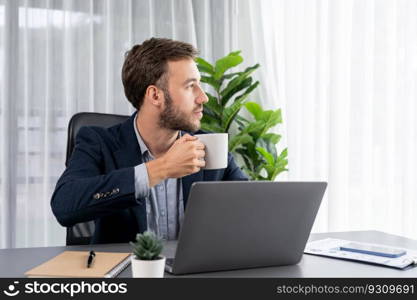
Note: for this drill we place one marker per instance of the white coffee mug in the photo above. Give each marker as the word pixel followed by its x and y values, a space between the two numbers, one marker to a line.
pixel 216 147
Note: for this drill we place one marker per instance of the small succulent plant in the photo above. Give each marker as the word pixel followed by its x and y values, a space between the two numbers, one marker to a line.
pixel 147 246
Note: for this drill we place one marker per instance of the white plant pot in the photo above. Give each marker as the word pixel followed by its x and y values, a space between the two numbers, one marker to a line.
pixel 148 268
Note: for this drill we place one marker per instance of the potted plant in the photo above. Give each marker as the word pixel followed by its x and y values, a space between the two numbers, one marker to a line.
pixel 147 260
pixel 251 137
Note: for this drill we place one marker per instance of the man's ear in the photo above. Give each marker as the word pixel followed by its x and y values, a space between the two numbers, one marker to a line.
pixel 154 95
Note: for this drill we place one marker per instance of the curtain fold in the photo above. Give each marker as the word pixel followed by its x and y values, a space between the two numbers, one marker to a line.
pixel 60 57
pixel 347 78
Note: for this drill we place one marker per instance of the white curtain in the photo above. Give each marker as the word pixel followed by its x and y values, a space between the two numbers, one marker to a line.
pixel 343 72
pixel 59 57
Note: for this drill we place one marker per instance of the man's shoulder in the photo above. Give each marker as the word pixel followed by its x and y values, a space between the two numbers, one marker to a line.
pixel 110 137
pixel 100 132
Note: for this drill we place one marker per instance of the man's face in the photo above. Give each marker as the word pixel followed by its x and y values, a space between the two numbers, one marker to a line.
pixel 184 98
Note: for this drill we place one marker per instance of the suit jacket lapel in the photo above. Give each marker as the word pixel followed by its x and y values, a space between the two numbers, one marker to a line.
pixel 129 153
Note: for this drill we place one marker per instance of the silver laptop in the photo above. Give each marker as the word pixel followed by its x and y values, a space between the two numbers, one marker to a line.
pixel 239 224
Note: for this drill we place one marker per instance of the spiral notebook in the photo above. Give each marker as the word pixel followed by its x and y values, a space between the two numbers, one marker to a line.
pixel 74 264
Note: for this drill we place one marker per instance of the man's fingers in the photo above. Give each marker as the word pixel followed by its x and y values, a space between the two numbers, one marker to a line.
pixel 187 137
pixel 201 154
pixel 202 163
pixel 199 163
pixel 200 145
pixel 197 144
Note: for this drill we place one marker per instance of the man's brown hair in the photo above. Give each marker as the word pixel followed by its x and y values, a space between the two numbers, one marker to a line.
pixel 146 64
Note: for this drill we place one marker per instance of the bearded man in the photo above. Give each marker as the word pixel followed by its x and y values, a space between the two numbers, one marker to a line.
pixel 137 175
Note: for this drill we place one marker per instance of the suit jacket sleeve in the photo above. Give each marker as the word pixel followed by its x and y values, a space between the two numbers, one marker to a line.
pixel 233 172
pixel 83 192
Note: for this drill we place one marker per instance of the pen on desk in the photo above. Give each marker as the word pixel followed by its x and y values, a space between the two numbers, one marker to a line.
pixel 90 258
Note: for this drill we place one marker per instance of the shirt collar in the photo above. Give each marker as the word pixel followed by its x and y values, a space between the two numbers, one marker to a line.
pixel 142 145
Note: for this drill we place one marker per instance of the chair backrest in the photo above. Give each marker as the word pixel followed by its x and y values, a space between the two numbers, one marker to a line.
pixel 81 233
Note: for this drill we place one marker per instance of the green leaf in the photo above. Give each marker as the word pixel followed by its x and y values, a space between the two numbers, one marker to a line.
pixel 213 98
pixel 242 119
pixel 237 52
pixel 213 106
pixel 211 81
pixel 241 86
pixel 259 170
pixel 274 118
pixel 230 112
pixel 203 70
pixel 253 154
pixel 238 140
pixel 230 75
pixel 209 119
pixel 283 154
pixel 254 128
pixel 280 164
pixel 213 117
pixel 251 88
pixel 242 122
pixel 244 94
pixel 253 175
pixel 269 170
pixel 266 144
pixel 225 63
pixel 277 171
pixel 271 118
pixel 204 66
pixel 235 82
pixel 147 246
pixel 255 109
pixel 272 137
pixel 238 83
pixel 211 127
pixel 268 156
pixel 246 158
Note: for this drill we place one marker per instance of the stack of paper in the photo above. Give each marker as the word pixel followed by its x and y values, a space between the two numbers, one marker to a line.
pixel 331 247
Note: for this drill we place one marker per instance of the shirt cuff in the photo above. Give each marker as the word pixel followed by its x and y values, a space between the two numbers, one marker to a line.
pixel 142 188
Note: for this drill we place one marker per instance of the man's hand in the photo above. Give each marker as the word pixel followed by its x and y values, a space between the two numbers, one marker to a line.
pixel 185 157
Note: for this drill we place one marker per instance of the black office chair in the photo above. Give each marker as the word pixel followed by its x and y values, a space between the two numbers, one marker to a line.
pixel 81 233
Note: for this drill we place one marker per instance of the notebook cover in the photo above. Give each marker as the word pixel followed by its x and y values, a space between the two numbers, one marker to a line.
pixel 74 264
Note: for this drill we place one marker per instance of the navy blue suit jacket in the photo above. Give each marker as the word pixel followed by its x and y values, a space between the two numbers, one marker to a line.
pixel 98 183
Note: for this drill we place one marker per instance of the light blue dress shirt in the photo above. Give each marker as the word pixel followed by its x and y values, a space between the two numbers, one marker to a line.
pixel 164 202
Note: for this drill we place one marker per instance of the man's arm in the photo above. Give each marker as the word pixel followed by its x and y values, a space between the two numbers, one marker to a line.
pixel 83 193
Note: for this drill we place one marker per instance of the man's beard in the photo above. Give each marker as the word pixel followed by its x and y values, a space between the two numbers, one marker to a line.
pixel 172 118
